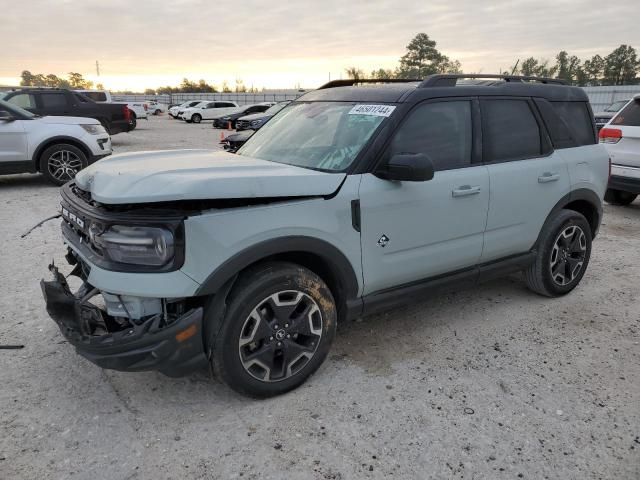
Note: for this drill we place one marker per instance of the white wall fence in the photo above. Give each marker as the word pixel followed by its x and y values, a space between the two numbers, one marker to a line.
pixel 239 98
pixel 600 97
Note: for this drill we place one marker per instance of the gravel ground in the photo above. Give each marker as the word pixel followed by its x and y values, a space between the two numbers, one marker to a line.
pixel 488 383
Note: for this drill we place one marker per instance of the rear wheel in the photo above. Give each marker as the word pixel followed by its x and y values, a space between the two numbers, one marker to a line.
pixel 564 250
pixel 133 121
pixel 618 197
pixel 60 163
pixel 196 118
pixel 278 327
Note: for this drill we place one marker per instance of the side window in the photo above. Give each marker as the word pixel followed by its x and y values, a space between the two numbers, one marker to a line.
pixel 96 96
pixel 629 115
pixel 560 133
pixel 224 105
pixel 576 115
pixel 53 100
pixel 23 100
pixel 509 131
pixel 441 130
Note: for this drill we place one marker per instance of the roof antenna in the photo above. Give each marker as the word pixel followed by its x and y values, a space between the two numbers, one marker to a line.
pixel 515 67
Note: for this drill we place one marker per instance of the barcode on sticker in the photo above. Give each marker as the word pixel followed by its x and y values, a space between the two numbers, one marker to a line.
pixel 375 110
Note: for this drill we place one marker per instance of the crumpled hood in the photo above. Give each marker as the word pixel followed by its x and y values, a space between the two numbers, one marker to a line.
pixel 52 119
pixel 198 175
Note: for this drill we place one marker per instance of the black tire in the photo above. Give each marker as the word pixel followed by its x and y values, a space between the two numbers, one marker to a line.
pixel 618 197
pixel 196 118
pixel 566 237
pixel 285 354
pixel 157 112
pixel 61 162
pixel 133 121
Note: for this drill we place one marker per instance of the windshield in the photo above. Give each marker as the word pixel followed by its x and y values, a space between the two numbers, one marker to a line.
pixel 319 135
pixel 615 106
pixel 15 109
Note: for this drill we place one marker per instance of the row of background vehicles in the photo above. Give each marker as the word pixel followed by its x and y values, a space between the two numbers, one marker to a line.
pixel 58 132
pixel 35 120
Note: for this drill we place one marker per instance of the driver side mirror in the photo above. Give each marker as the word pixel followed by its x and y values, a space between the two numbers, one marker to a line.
pixel 6 116
pixel 407 167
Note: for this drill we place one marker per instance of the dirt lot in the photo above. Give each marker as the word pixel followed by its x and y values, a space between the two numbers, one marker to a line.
pixel 489 383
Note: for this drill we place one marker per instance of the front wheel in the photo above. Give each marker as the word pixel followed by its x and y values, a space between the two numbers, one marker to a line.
pixel 60 163
pixel 196 118
pixel 618 197
pixel 564 250
pixel 278 327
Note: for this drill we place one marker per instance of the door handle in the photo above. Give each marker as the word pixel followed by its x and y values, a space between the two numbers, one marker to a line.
pixel 465 190
pixel 547 177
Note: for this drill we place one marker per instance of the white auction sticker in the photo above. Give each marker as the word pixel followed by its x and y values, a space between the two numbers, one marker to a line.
pixel 375 110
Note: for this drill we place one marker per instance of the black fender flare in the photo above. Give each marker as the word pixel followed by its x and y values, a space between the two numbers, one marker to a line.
pixel 585 194
pixel 335 260
pixel 35 158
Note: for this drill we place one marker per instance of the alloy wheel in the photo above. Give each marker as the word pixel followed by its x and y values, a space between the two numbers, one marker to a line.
pixel 568 255
pixel 280 336
pixel 63 165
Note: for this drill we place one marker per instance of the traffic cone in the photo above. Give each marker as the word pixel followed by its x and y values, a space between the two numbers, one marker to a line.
pixel 229 125
pixel 222 135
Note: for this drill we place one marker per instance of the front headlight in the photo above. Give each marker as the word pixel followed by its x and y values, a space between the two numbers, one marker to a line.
pixel 150 246
pixel 94 129
pixel 256 123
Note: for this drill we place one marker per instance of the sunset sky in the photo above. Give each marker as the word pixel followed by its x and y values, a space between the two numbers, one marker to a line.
pixel 278 44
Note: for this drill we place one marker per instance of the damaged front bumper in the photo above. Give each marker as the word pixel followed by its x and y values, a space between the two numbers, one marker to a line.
pixel 154 342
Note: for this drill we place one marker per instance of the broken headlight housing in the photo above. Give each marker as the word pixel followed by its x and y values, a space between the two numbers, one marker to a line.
pixel 134 245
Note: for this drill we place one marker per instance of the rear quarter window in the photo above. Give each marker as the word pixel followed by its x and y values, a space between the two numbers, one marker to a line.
pixel 577 117
pixel 629 115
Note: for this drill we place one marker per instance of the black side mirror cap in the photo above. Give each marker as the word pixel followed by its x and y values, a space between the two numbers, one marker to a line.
pixel 407 167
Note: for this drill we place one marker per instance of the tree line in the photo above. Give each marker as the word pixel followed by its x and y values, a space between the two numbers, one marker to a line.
pixel 422 58
pixel 73 80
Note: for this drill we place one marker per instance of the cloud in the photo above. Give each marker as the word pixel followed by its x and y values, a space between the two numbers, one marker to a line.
pixel 182 37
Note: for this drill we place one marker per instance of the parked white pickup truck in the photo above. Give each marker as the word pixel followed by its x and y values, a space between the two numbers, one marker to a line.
pixel 138 109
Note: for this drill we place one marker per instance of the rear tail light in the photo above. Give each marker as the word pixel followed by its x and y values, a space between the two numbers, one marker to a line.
pixel 146 107
pixel 126 112
pixel 610 135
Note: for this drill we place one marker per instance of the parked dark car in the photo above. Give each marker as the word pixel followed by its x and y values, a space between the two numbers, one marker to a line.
pixel 257 120
pixel 114 117
pixel 233 142
pixel 223 121
pixel 602 118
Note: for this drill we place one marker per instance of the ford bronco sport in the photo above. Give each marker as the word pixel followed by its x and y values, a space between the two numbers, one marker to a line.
pixel 352 199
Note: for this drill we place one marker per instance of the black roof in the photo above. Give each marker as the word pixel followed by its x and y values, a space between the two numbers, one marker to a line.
pixel 436 86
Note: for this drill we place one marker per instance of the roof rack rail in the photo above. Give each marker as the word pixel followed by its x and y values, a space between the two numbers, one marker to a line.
pixel 350 82
pixel 450 79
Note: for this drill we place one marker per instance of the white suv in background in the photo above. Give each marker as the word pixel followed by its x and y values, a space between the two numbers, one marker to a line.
pixel 57 147
pixel 177 110
pixel 621 137
pixel 207 111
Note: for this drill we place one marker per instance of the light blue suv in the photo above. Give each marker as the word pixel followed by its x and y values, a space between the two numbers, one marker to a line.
pixel 352 199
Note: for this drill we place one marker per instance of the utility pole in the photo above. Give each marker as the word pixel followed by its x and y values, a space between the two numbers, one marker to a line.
pixel 97 68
